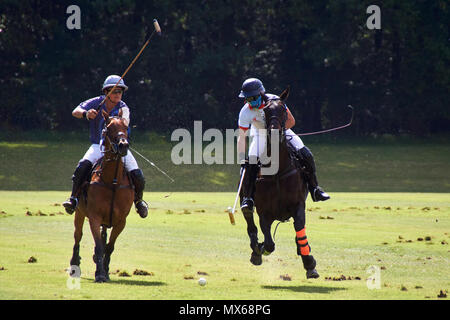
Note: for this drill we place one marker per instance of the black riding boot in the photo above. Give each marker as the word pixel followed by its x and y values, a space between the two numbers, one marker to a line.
pixel 139 184
pixel 306 161
pixel 79 176
pixel 248 188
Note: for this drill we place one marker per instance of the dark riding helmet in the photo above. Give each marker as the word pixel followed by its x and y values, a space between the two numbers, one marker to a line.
pixel 251 87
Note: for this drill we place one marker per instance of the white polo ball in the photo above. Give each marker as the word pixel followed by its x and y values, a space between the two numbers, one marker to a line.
pixel 202 281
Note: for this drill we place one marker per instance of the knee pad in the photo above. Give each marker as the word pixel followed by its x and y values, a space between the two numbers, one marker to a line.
pixel 307 159
pixel 82 170
pixel 138 178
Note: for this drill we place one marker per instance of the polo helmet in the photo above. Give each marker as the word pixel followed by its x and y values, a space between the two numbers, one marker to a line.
pixel 251 87
pixel 111 81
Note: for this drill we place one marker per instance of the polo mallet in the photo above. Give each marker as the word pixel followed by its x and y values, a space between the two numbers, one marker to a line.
pixel 156 29
pixel 232 210
pixel 157 168
pixel 332 129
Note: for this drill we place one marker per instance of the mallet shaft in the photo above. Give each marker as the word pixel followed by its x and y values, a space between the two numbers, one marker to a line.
pixel 231 214
pixel 157 28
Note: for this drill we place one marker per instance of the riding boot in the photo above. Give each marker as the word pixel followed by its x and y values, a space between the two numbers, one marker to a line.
pixel 139 184
pixel 306 161
pixel 79 176
pixel 248 189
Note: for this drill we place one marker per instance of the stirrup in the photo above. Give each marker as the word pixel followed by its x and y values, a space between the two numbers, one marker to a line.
pixel 319 195
pixel 141 208
pixel 70 204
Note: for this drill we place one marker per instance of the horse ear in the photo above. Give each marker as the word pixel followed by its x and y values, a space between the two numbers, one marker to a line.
pixel 264 97
pixel 106 117
pixel 285 94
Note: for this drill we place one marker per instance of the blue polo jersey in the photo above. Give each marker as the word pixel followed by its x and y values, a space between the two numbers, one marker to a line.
pixel 96 125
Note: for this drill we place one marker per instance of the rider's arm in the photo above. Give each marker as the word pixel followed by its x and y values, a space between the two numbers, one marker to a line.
pixel 290 122
pixel 241 144
pixel 243 124
pixel 124 112
pixel 79 113
pixel 87 109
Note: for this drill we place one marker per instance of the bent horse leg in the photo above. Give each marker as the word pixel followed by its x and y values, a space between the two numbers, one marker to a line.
pixel 268 246
pixel 303 247
pixel 252 232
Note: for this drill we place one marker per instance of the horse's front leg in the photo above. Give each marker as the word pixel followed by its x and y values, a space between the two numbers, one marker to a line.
pixel 303 247
pixel 78 234
pixel 99 251
pixel 252 232
pixel 268 246
pixel 116 230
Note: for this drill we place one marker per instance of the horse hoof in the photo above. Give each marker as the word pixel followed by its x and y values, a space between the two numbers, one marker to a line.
pixel 256 259
pixel 312 274
pixel 101 279
pixel 259 249
pixel 267 252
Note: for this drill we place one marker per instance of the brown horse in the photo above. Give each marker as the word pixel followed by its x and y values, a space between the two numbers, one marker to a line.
pixel 106 199
pixel 280 196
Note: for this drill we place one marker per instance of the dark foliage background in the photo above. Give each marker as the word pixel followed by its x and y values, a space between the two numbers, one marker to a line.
pixel 397 78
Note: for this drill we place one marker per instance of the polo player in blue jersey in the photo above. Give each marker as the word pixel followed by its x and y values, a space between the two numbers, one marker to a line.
pixel 88 110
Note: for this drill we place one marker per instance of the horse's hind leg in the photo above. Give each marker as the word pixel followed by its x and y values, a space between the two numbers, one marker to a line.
pixel 78 234
pixel 303 247
pixel 99 250
pixel 109 248
pixel 252 232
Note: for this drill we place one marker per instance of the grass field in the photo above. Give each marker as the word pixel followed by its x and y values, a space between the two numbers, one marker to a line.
pixel 188 233
pixel 44 161
pixel 390 208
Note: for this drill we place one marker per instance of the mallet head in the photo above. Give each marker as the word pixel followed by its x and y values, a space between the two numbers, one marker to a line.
pixel 157 27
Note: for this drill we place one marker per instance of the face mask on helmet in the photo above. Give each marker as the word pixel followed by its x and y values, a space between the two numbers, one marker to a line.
pixel 254 102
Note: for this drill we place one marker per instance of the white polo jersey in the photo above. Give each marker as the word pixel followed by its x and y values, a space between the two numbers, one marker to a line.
pixel 253 116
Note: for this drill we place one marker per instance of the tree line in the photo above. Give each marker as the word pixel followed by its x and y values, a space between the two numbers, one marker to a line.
pixel 397 77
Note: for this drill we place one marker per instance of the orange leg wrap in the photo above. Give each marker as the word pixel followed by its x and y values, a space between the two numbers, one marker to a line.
pixel 302 242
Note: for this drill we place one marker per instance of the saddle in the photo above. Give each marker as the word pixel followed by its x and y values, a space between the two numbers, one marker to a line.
pixel 97 169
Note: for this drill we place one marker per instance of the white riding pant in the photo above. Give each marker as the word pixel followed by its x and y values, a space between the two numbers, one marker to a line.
pixel 258 141
pixel 94 153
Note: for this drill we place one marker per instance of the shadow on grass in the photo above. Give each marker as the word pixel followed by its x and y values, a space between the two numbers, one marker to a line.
pixel 138 283
pixel 304 289
pixel 128 282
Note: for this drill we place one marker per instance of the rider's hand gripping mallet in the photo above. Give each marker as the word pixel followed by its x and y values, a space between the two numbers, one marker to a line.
pixel 156 29
pixel 231 210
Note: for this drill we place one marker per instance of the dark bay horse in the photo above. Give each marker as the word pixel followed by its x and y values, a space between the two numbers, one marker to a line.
pixel 280 196
pixel 106 199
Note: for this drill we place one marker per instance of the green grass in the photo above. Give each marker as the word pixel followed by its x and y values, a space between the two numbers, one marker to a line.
pixel 42 161
pixel 190 232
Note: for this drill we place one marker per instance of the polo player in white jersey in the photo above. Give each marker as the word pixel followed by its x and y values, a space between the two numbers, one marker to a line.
pixel 251 117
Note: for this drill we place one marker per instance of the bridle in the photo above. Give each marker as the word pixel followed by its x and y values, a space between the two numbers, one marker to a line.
pixel 281 122
pixel 114 144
